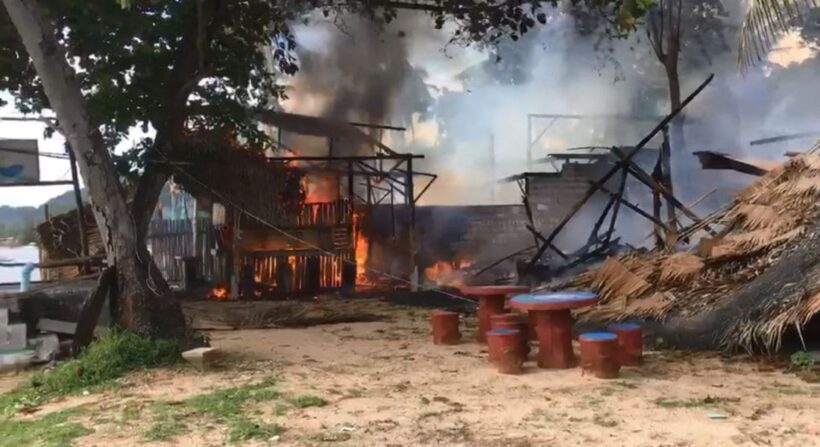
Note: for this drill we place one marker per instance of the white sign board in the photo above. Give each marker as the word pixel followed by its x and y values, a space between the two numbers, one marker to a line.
pixel 19 163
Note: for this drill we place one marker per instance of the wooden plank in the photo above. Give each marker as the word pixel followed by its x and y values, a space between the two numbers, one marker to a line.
pixel 92 307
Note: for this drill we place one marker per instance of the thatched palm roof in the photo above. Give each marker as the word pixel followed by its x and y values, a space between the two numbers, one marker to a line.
pixel 744 289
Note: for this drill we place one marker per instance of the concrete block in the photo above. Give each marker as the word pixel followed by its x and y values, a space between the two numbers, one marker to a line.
pixel 203 358
pixel 4 317
pixel 15 360
pixel 45 347
pixel 12 336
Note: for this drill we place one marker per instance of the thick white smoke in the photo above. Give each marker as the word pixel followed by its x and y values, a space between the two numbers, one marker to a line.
pixel 467 110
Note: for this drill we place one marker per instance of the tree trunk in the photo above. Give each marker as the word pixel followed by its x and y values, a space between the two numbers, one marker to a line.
pixel 676 140
pixel 144 303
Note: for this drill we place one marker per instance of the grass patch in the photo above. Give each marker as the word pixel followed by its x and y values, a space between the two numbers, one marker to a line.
pixel 307 401
pixel 52 430
pixel 226 407
pixel 224 404
pixel 242 429
pixel 105 360
pixel 168 423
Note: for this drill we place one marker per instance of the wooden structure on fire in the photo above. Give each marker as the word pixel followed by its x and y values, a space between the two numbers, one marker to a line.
pixel 291 224
pixel 263 226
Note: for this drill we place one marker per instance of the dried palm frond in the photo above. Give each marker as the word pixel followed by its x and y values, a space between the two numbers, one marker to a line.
pixel 812 161
pixel 764 23
pixel 804 184
pixel 612 281
pixel 751 242
pixel 612 310
pixel 753 217
pixel 640 266
pixel 656 306
pixel 680 267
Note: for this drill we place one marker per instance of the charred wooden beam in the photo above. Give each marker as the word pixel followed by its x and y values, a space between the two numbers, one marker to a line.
pixel 540 238
pixel 377 126
pixel 657 175
pixel 619 198
pixel 718 161
pixel 591 191
pixel 593 236
pixel 635 208
pixel 647 180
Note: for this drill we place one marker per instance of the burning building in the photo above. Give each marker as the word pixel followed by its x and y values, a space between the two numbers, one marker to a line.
pixel 296 223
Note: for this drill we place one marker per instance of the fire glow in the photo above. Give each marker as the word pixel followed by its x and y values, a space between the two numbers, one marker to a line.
pixel 220 293
pixel 450 274
pixel 360 244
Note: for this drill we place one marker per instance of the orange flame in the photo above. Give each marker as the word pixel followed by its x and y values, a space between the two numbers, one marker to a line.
pixel 220 293
pixel 360 244
pixel 444 273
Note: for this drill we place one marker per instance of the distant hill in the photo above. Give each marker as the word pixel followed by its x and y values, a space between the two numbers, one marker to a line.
pixel 19 221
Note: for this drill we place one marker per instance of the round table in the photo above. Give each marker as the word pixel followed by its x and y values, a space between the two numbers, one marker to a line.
pixel 490 302
pixel 553 323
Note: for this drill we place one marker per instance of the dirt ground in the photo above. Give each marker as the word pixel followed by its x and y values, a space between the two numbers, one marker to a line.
pixel 386 384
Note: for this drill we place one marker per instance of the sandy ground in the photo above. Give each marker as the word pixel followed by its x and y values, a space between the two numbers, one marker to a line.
pixel 388 385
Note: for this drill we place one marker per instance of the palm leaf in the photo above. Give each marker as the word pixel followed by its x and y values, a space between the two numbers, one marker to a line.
pixel 765 22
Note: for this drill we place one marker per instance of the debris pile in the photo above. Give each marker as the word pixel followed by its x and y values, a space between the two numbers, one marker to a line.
pixel 776 216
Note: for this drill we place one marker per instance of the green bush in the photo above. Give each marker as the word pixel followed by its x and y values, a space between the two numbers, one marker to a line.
pixel 801 361
pixel 104 361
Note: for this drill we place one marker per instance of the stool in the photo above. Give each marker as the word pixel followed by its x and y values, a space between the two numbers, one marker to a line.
pixel 630 343
pixel 514 321
pixel 504 348
pixel 599 352
pixel 445 327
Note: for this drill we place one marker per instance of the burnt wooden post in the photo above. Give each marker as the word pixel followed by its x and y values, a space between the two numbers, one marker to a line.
pixel 248 282
pixel 349 267
pixel 618 200
pixel 411 201
pixel 666 180
pixel 78 200
pixel 657 175
pixel 313 277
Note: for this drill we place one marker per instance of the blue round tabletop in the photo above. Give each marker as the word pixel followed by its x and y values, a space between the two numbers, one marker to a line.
pixel 598 336
pixel 554 300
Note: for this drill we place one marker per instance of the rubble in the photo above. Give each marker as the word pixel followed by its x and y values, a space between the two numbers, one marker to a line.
pixel 203 358
pixel 771 222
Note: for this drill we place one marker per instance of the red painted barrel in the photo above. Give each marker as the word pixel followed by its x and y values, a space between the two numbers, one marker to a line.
pixel 445 327
pixel 630 343
pixel 599 354
pixel 513 321
pixel 505 350
pixel 533 334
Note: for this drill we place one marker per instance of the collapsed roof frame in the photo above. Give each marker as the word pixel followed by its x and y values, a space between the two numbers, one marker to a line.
pixel 553 118
pixel 626 166
pixel 658 183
